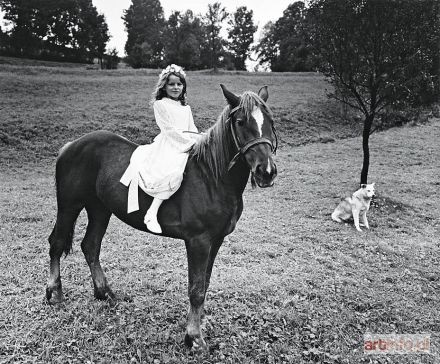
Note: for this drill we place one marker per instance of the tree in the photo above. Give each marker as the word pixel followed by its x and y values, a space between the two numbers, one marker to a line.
pixel 145 24
pixel 377 54
pixel 173 38
pixel 91 33
pixel 110 60
pixel 184 39
pixel 56 29
pixel 292 39
pixel 193 39
pixel 57 21
pixel 213 23
pixel 284 45
pixel 4 41
pixel 268 48
pixel 21 13
pixel 241 35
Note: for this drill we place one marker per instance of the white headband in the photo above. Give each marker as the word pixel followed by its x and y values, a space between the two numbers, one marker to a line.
pixel 173 69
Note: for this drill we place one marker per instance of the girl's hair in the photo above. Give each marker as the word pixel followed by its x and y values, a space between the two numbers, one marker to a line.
pixel 159 91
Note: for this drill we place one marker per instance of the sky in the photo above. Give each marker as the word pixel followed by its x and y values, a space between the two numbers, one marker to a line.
pixel 264 11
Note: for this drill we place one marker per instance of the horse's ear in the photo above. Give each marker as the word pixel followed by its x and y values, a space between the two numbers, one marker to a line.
pixel 263 93
pixel 233 100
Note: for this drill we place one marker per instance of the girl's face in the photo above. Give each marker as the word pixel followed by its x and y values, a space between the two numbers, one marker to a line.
pixel 174 87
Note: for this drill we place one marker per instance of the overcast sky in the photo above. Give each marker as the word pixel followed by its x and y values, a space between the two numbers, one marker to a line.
pixel 264 11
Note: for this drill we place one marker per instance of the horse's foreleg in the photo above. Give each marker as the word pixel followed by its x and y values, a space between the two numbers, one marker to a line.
pixel 212 254
pixel 99 218
pixel 60 241
pixel 198 251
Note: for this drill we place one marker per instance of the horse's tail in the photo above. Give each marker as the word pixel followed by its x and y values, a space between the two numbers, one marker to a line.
pixel 60 152
pixel 63 231
pixel 64 244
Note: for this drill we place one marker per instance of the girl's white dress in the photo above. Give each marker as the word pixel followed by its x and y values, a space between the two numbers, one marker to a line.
pixel 158 167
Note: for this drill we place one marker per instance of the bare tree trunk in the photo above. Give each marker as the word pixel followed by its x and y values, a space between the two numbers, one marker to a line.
pixel 365 147
pixel 214 60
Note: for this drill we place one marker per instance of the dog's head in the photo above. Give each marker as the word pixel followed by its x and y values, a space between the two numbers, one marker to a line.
pixel 367 190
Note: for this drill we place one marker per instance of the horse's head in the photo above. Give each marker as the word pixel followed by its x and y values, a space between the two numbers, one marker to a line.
pixel 253 133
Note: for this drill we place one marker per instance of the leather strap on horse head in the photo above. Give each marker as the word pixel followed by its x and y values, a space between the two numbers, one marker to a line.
pixel 243 149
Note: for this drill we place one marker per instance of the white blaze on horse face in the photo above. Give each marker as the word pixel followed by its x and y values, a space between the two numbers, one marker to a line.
pixel 268 169
pixel 259 118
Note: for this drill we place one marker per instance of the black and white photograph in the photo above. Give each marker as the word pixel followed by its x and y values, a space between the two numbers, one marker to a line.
pixel 220 182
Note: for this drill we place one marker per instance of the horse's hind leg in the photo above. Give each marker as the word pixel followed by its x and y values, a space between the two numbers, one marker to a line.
pixel 198 251
pixel 99 218
pixel 60 241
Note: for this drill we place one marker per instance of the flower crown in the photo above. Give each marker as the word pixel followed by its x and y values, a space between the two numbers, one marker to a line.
pixel 173 69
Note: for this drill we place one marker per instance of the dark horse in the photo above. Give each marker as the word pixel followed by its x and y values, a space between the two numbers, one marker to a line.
pixel 202 212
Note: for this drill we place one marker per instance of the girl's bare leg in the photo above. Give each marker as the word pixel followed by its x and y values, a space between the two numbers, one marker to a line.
pixel 151 216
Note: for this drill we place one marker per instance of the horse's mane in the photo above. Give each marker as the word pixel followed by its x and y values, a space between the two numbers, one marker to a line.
pixel 212 148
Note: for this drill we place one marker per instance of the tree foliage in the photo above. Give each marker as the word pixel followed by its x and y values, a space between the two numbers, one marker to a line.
pixel 3 39
pixel 21 14
pixel 267 48
pixel 61 30
pixel 377 53
pixel 241 35
pixel 184 39
pixel 215 44
pixel 110 60
pixel 145 24
pixel 284 44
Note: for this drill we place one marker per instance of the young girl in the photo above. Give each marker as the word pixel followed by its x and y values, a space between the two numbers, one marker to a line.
pixel 158 167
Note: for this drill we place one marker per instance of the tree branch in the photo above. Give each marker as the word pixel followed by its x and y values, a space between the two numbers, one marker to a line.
pixel 357 107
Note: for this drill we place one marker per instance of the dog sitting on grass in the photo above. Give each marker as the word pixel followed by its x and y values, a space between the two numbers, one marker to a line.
pixel 355 206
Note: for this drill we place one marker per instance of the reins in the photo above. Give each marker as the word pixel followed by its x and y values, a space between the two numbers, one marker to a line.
pixel 241 150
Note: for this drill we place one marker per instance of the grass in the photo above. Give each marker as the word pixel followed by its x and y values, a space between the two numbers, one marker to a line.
pixel 290 286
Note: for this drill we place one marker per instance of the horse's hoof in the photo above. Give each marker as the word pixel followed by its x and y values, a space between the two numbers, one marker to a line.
pixel 54 296
pixel 105 294
pixel 196 344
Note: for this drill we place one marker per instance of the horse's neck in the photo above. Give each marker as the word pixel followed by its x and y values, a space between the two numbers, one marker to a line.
pixel 237 177
pixel 230 185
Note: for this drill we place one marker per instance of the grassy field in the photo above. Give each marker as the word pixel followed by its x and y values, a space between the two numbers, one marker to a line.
pixel 290 285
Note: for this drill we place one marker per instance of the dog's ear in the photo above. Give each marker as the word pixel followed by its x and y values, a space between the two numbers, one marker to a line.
pixel 363 185
pixel 373 184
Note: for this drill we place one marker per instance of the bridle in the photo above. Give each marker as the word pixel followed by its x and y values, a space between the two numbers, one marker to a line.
pixel 242 149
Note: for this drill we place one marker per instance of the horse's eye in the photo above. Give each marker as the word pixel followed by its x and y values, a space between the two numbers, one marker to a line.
pixel 240 121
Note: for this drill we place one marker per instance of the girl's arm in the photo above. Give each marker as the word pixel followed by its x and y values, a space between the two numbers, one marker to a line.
pixel 179 140
pixel 192 126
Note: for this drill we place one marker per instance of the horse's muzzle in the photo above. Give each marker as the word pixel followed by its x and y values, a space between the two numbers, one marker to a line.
pixel 264 177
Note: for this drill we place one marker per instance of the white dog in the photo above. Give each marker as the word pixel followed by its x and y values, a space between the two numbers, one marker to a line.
pixel 357 205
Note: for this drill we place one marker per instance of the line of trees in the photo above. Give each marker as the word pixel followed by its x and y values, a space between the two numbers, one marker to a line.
pixel 193 41
pixel 61 30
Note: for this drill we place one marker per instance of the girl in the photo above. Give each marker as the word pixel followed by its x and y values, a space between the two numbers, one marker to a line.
pixel 158 167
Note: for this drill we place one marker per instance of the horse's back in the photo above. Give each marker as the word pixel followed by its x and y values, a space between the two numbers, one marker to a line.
pixel 101 137
pixel 83 160
pixel 94 145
